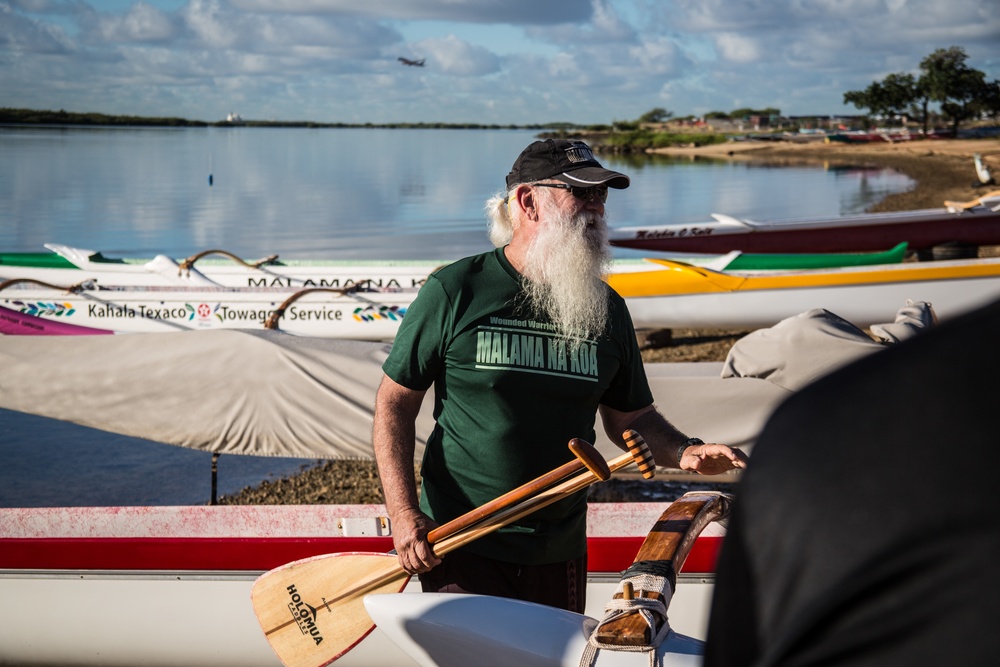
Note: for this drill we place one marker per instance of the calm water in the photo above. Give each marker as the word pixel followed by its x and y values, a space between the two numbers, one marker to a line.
pixel 332 193
pixel 300 193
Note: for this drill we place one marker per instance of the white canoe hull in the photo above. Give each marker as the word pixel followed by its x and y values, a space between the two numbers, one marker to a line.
pixel 186 598
pixel 447 630
pixel 363 315
pixel 695 297
pixel 863 296
pixel 863 305
pixel 163 271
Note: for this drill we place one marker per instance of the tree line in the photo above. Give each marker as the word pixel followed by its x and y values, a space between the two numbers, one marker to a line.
pixel 945 79
pixel 62 117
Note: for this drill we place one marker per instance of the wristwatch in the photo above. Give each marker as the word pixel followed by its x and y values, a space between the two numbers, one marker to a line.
pixel 684 445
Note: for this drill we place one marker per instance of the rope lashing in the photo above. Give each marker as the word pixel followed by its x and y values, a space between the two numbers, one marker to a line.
pixel 275 317
pixel 188 263
pixel 645 591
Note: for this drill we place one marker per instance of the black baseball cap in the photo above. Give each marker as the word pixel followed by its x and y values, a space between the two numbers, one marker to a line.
pixel 571 162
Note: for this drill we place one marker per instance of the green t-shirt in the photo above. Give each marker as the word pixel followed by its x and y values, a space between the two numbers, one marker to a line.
pixel 508 398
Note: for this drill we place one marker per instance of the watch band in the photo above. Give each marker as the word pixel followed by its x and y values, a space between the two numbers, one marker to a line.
pixel 684 445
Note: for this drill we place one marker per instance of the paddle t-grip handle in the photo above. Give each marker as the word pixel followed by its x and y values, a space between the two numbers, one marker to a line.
pixel 591 458
pixel 639 450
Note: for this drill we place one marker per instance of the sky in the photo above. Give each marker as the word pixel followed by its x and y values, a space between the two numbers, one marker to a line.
pixel 504 62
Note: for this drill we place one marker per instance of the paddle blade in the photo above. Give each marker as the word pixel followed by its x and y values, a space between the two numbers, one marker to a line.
pixel 312 610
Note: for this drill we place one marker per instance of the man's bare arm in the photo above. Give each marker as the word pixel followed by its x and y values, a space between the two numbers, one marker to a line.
pixel 664 440
pixel 394 440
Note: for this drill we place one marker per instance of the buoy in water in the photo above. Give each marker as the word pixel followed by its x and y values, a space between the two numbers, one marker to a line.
pixel 209 180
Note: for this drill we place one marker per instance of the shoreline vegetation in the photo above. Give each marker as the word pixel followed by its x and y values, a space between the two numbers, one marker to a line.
pixel 941 169
pixel 36 117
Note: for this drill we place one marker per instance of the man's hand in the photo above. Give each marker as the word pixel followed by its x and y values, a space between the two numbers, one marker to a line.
pixel 712 459
pixel 409 537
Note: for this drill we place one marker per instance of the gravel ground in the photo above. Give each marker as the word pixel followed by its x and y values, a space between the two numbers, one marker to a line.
pixel 942 170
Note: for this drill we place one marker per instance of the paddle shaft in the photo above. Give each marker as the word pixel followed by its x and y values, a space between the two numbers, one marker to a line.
pixel 307 629
pixel 504 517
pixel 586 458
pixel 533 504
pixel 394 571
pixel 507 512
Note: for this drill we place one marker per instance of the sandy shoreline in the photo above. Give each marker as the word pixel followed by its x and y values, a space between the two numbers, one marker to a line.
pixel 941 169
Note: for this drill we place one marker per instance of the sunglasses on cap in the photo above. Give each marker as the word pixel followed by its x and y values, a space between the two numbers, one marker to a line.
pixel 599 192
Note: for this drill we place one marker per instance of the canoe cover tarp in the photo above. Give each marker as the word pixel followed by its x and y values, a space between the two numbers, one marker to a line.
pixel 262 393
pixel 266 393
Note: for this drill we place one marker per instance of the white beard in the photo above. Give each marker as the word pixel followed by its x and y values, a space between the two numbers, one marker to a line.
pixel 565 267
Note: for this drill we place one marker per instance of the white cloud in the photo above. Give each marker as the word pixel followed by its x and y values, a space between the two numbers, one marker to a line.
pixel 587 62
pixel 605 27
pixel 20 34
pixel 658 57
pixel 737 48
pixel 451 55
pixel 214 25
pixel 142 23
pixel 521 12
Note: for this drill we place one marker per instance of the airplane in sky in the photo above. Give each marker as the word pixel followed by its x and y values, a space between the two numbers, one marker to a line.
pixel 412 63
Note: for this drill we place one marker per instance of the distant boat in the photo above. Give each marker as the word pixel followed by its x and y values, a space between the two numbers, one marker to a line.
pixel 861 136
pixel 234 118
pixel 975 222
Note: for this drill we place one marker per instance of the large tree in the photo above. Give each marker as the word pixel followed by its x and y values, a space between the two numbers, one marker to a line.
pixel 958 88
pixel 960 91
pixel 893 96
pixel 657 115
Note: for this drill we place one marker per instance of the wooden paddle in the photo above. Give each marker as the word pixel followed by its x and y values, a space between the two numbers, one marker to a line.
pixel 312 610
pixel 665 549
pixel 966 205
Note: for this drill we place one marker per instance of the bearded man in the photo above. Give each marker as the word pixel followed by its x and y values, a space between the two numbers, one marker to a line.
pixel 524 346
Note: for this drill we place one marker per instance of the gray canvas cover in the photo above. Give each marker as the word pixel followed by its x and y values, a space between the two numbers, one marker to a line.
pixel 807 346
pixel 267 393
pixel 256 392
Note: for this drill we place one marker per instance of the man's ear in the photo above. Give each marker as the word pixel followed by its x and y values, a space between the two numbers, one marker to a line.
pixel 526 200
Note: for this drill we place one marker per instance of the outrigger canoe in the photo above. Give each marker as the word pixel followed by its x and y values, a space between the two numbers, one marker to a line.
pixel 668 295
pixel 211 268
pixel 66 265
pixel 171 586
pixel 359 312
pixel 975 223
pixel 445 630
pixel 688 296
